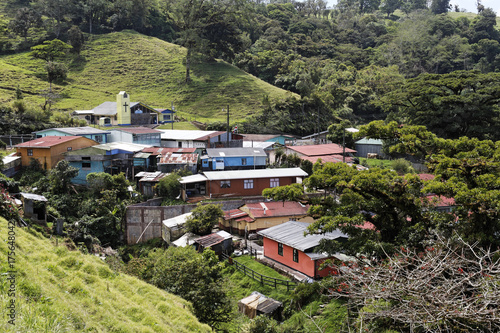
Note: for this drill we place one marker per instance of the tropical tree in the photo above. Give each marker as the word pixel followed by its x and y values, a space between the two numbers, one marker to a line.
pixel 203 218
pixel 284 193
pixel 25 19
pixel 195 277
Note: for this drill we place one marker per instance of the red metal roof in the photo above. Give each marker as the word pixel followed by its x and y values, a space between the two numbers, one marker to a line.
pixel 275 208
pixel 173 158
pixel 138 130
pixel 327 158
pixel 164 150
pixel 48 141
pixel 440 201
pixel 234 213
pixel 319 150
pixel 426 176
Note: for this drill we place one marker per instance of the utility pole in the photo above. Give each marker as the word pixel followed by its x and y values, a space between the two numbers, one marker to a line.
pixel 228 129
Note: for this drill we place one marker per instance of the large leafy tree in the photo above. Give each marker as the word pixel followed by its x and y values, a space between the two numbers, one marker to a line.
pixel 462 103
pixel 25 19
pixel 205 26
pixel 195 277
pixel 204 218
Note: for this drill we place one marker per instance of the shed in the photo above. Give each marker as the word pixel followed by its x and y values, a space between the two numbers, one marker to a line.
pixel 368 146
pixel 173 228
pixel 34 206
pixel 219 242
pixel 257 304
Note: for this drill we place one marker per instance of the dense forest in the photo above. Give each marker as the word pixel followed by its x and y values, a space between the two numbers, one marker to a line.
pixel 360 61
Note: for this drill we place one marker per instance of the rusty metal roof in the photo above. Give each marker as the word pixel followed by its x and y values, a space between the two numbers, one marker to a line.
pixel 213 239
pixel 175 158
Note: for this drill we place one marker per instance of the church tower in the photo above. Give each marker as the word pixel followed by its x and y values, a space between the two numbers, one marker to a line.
pixel 123 108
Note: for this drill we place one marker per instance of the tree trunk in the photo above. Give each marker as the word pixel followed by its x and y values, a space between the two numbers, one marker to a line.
pixel 188 65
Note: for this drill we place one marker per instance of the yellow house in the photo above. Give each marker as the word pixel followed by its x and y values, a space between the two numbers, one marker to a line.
pixel 263 215
pixel 49 149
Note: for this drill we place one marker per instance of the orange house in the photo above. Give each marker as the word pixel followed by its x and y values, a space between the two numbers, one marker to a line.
pixel 287 244
pixel 49 150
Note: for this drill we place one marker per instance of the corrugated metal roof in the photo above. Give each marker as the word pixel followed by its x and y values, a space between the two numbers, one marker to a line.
pixel 234 213
pixel 275 208
pixel 259 137
pixel 184 134
pixel 177 220
pixel 142 155
pixel 318 150
pixel 185 240
pixel 174 158
pixel 49 141
pixel 236 152
pixel 108 108
pixel 292 234
pixel 261 303
pixel 213 239
pixel 33 196
pixel 86 130
pixel 164 150
pixel 151 176
pixel 138 130
pixel 193 179
pixel 132 147
pixel 257 144
pixel 258 173
pixel 366 141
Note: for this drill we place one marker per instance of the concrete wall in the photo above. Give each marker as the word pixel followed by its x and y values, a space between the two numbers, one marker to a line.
pixel 139 216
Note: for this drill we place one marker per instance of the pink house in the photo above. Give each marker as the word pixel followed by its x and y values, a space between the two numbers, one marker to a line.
pixel 287 244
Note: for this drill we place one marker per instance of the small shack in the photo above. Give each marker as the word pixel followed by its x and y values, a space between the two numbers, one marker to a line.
pixel 257 304
pixel 173 228
pixel 220 242
pixel 368 146
pixel 34 206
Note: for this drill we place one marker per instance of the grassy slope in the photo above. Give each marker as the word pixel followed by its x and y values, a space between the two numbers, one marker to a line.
pixel 65 291
pixel 150 69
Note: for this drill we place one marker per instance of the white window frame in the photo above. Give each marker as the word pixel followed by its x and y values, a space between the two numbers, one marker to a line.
pixel 248 184
pixel 274 182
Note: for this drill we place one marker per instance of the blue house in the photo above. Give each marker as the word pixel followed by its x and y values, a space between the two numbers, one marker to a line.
pixel 88 132
pixel 165 116
pixel 233 159
pixel 112 158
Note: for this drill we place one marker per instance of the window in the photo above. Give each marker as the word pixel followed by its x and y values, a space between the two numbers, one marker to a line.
pixel 70 149
pixel 280 249
pixel 98 138
pixel 275 182
pixel 225 184
pixel 86 165
pixel 295 255
pixel 243 161
pixel 248 184
pixel 30 152
pixel 179 144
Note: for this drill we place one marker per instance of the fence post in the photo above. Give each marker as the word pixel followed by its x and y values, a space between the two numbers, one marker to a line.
pixel 261 280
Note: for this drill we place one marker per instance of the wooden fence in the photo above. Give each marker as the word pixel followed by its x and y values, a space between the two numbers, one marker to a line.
pixel 264 280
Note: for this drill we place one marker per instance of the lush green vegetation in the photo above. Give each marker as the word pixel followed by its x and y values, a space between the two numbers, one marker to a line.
pixel 58 290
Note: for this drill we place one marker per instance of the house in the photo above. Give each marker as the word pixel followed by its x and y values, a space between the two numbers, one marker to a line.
pixel 233 159
pixel 49 150
pixel 330 152
pixel 146 181
pixel 199 139
pixel 147 159
pixel 171 162
pixel 272 138
pixel 317 138
pixel 368 146
pixel 165 116
pixel 268 147
pixel 172 229
pixel 113 158
pixel 257 304
pixel 287 245
pixel 11 164
pixel 220 242
pixel 136 135
pixel 92 133
pixel 254 217
pixel 124 113
pixel 238 183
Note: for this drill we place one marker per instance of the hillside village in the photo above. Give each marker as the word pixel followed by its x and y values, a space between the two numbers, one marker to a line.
pixel 249 166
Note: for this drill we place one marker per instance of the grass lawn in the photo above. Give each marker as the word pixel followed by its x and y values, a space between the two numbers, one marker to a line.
pixel 375 163
pixel 150 70
pixel 58 290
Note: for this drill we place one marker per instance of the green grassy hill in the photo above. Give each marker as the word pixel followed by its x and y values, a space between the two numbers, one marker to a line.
pixel 58 290
pixel 148 68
